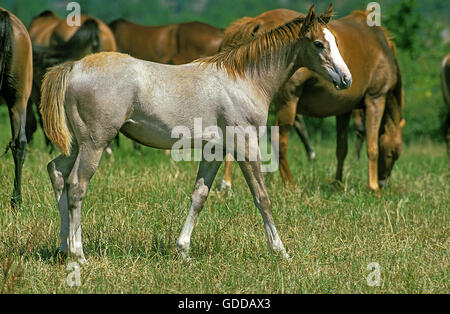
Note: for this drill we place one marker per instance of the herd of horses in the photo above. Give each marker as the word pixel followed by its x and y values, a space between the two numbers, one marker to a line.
pixel 93 81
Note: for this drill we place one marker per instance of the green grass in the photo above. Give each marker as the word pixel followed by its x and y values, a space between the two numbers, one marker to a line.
pixel 137 202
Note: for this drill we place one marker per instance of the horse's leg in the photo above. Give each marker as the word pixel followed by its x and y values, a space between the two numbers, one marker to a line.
pixel 206 173
pixel 84 167
pixel 255 180
pixel 342 123
pixel 300 127
pixel 284 119
pixel 58 171
pixel 283 140
pixel 31 123
pixel 17 115
pixel 226 181
pixel 374 113
pixel 447 139
pixel 358 118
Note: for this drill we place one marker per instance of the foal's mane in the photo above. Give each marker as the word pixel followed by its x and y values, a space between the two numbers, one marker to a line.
pixel 246 54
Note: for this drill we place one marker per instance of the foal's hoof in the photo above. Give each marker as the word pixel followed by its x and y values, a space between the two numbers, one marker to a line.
pixel 109 152
pixel 286 256
pixel 184 255
pixel 183 251
pixel 312 156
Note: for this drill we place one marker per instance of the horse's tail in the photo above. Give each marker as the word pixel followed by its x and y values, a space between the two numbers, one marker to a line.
pixel 86 40
pixel 52 107
pixel 6 35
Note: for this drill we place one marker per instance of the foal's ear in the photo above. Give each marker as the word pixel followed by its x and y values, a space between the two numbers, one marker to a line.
pixel 327 15
pixel 309 20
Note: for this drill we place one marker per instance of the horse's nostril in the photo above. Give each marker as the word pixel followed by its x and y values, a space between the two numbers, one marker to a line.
pixel 346 81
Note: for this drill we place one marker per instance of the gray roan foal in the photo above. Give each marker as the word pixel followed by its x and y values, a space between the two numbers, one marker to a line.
pixel 86 103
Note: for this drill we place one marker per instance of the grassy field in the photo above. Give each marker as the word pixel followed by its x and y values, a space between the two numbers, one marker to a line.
pixel 136 204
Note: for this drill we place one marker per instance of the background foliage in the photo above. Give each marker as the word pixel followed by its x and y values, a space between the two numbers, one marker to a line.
pixel 417 26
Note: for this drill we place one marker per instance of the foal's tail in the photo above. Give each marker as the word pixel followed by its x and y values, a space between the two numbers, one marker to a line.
pixel 6 33
pixel 52 107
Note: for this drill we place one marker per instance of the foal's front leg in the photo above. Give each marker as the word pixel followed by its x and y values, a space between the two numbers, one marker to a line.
pixel 255 180
pixel 206 173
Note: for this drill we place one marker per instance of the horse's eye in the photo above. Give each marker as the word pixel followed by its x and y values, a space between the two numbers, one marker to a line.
pixel 319 44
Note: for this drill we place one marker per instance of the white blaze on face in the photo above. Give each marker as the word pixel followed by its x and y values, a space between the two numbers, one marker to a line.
pixel 335 54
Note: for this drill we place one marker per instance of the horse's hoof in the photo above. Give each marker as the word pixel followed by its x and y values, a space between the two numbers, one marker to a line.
pixel 383 183
pixel 16 202
pixel 312 156
pixel 226 186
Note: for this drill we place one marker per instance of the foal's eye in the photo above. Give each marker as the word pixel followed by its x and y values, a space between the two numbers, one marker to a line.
pixel 319 44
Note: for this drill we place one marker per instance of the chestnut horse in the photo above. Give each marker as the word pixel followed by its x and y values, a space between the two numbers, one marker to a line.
pixel 54 42
pixel 445 77
pixel 16 78
pixel 86 103
pixel 377 88
pixel 169 44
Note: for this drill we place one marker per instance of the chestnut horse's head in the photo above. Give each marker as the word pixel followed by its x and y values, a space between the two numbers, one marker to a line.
pixel 321 51
pixel 390 146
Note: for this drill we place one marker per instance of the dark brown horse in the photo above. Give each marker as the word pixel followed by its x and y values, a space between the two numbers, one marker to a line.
pixel 170 44
pixel 377 88
pixel 16 77
pixel 42 27
pixel 55 42
pixel 47 29
pixel 445 76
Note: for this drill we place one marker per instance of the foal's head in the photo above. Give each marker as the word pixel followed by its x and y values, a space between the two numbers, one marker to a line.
pixel 320 52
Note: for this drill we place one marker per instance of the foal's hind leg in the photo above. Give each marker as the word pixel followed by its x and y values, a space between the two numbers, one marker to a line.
pixel 70 177
pixel 206 173
pixel 58 170
pixel 83 169
pixel 255 180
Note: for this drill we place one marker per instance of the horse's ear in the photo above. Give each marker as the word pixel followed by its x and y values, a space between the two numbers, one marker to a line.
pixel 309 20
pixel 402 123
pixel 327 15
